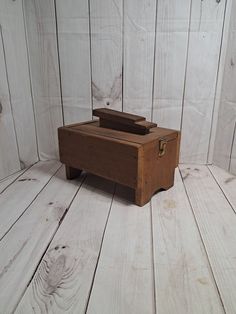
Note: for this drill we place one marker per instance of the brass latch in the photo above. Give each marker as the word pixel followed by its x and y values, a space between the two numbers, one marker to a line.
pixel 162 147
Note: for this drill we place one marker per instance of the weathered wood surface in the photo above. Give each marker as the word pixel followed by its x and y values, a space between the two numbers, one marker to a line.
pixel 170 61
pixel 15 199
pixel 109 256
pixel 15 45
pixel 44 66
pixel 64 277
pixel 74 52
pixel 106 52
pixel 9 156
pixel 201 77
pixel 225 144
pixel 230 13
pixel 216 221
pixel 25 244
pixel 183 278
pixel 227 183
pixel 4 183
pixel 138 56
pixel 124 278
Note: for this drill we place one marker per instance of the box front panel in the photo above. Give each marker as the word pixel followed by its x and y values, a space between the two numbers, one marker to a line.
pixel 110 158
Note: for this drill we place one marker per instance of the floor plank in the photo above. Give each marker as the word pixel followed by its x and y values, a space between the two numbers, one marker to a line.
pixel 124 277
pixel 184 282
pixel 63 280
pixel 227 182
pixel 217 223
pixel 22 192
pixel 4 183
pixel 22 248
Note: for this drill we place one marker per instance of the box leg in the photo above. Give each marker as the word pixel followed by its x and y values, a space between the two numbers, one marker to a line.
pixel 72 173
pixel 142 198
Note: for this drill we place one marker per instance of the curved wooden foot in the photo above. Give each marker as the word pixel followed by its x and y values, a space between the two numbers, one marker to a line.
pixel 142 198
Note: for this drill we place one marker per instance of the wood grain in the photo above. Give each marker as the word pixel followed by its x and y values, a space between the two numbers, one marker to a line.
pixel 201 76
pixel 227 183
pixel 41 33
pixel 216 221
pixel 15 44
pixel 9 157
pixel 106 53
pixel 230 11
pixel 104 156
pixel 124 277
pixel 183 278
pixel 15 200
pixel 170 61
pixel 225 146
pixel 4 183
pixel 63 280
pixel 25 244
pixel 74 51
pixel 139 39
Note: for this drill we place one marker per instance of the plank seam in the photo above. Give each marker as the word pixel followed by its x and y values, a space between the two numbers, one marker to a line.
pixel 59 62
pixel 154 60
pixel 153 259
pixel 30 203
pixel 216 84
pixel 52 237
pixel 232 146
pixel 30 79
pixel 204 246
pixel 9 93
pixel 20 174
pixel 222 190
pixel 90 57
pixel 123 56
pixel 186 65
pixel 100 250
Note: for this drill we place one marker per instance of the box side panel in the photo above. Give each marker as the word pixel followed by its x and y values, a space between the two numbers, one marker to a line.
pixel 109 158
pixel 158 172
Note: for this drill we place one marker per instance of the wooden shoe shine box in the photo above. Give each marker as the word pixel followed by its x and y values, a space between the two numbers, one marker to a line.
pixel 124 148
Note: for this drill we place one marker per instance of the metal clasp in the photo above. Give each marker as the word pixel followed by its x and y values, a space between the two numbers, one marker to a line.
pixel 162 147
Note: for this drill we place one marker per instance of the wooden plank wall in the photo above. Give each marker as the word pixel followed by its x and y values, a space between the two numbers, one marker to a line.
pixel 18 146
pixel 225 144
pixel 61 59
pixel 155 58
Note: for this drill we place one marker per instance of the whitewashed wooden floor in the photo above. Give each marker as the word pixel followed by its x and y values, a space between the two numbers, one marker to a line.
pixel 81 246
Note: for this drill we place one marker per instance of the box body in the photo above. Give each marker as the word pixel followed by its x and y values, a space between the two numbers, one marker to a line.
pixel 129 159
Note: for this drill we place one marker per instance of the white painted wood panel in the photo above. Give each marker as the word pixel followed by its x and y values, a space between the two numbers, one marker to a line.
pixel 227 183
pixel 203 57
pixel 183 278
pixel 124 279
pixel 63 279
pixel 225 146
pixel 41 33
pixel 4 183
pixel 139 40
pixel 13 31
pixel 106 52
pixel 19 195
pixel 9 157
pixel 232 166
pixel 216 222
pixel 223 57
pixel 170 61
pixel 25 244
pixel 74 52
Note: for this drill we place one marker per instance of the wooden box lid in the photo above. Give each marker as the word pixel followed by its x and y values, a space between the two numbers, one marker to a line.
pixel 112 123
